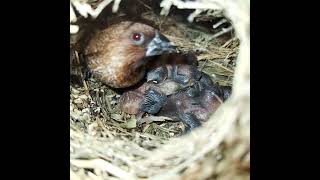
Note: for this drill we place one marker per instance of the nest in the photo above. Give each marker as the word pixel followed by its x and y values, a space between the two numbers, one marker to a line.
pixel 106 144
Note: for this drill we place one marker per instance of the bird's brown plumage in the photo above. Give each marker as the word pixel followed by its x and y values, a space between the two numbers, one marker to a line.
pixel 114 58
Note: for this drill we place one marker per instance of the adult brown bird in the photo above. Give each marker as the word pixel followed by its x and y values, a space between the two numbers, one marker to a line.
pixel 118 55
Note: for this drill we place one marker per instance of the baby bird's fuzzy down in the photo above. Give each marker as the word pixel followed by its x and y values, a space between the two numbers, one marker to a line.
pixel 179 92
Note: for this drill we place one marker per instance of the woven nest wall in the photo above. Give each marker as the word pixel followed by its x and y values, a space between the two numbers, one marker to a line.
pixel 106 144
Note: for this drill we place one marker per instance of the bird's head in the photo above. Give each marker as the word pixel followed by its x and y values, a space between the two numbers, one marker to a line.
pixel 119 53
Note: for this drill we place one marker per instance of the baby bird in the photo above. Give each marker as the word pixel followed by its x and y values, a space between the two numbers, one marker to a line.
pixel 192 106
pixel 161 82
pixel 118 55
pixel 179 92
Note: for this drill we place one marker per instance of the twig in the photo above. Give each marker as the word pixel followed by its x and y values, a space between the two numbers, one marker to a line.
pixel 73 176
pixel 222 21
pixel 204 65
pixel 223 31
pixel 93 176
pixel 85 9
pixel 103 165
pixel 73 17
pixel 190 5
pixel 164 129
pixel 227 56
pixel 225 68
pixel 148 7
pixel 194 14
pixel 228 42
pixel 74 29
pixel 115 6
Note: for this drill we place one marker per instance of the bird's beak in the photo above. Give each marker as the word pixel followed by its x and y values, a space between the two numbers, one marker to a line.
pixel 160 45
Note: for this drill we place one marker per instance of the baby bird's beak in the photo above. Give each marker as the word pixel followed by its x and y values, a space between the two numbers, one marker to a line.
pixel 160 45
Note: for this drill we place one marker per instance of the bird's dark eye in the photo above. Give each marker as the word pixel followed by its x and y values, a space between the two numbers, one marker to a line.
pixel 137 38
